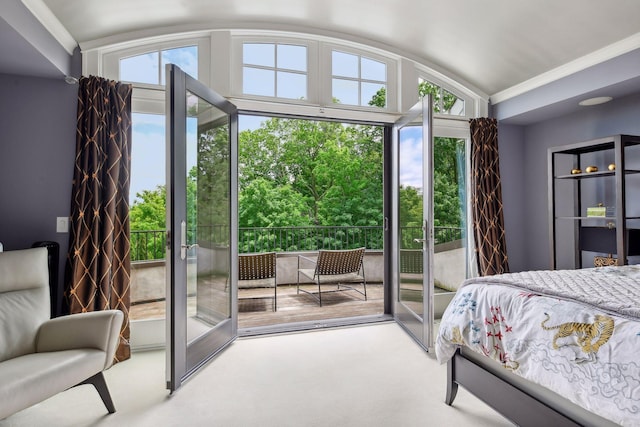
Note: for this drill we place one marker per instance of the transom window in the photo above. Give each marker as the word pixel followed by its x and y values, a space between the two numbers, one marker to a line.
pixel 275 70
pixel 149 67
pixel 358 80
pixel 444 102
pixel 284 69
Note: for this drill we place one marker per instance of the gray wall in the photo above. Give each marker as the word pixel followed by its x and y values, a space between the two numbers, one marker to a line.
pixel 524 173
pixel 37 148
pixel 512 161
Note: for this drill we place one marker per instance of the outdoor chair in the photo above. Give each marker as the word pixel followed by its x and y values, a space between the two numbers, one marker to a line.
pixel 335 267
pixel 258 271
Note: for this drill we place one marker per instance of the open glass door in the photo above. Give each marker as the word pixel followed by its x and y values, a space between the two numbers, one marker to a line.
pixel 201 224
pixel 413 245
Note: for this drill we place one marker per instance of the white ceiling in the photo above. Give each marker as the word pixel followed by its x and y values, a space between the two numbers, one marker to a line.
pixel 491 45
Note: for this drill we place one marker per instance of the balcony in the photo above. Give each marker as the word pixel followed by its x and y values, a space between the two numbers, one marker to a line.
pixel 148 272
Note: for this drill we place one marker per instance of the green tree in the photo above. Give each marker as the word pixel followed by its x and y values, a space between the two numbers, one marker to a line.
pixel 147 222
pixel 443 100
pixel 264 204
pixel 299 173
pixel 148 211
pixel 335 168
pixel 212 184
pixel 147 218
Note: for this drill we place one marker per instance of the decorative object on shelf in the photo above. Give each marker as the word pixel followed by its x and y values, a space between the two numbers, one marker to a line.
pixel 612 166
pixel 604 261
pixel 576 171
pixel 591 169
pixel 601 211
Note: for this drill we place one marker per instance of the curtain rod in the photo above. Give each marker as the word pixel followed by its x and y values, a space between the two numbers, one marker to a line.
pixel 71 80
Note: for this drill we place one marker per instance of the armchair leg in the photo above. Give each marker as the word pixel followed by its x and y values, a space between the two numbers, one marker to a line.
pixel 101 386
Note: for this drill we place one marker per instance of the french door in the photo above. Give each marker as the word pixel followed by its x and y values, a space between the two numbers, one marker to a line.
pixel 202 141
pixel 412 231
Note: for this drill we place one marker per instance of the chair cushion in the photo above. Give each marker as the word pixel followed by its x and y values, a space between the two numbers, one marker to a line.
pixel 256 283
pixel 332 278
pixel 24 300
pixel 30 379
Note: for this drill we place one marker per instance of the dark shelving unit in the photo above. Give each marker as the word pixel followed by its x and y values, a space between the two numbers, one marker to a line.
pixel 571 231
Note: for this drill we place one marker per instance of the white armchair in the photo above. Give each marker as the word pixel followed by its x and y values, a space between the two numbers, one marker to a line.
pixel 39 356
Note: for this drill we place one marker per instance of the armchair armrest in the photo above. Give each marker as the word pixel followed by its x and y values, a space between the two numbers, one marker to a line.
pixel 97 329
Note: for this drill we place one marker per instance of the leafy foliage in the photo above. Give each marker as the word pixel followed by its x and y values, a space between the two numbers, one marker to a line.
pixel 335 170
pixel 302 173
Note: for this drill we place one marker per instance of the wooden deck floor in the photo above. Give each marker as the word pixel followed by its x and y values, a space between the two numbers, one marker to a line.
pixel 292 307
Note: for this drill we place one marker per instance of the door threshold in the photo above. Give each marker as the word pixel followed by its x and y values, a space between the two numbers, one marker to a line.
pixel 313 325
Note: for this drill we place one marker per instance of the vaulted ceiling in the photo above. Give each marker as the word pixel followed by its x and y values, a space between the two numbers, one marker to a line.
pixel 500 48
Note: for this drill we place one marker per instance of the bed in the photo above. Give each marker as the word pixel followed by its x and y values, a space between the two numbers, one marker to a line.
pixel 548 347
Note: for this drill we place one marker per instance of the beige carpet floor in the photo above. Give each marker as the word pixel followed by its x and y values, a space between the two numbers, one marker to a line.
pixel 360 376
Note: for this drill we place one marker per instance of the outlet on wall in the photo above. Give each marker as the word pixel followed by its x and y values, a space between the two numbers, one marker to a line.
pixel 62 224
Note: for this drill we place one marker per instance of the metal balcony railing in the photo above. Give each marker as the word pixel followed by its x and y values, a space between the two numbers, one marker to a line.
pixel 150 244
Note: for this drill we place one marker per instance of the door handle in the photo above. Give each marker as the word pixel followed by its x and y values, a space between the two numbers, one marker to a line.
pixel 184 247
pixel 419 240
pixel 183 240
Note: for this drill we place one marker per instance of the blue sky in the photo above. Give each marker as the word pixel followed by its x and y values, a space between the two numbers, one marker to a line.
pixel 411 157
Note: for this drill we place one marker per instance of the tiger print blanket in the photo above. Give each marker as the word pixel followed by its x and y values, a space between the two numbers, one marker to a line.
pixel 576 332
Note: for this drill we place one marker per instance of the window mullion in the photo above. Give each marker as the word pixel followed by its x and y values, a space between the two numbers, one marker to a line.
pixel 275 69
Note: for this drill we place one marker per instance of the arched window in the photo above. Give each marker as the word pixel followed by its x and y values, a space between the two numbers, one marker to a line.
pixel 444 102
pixel 149 67
pixel 291 72
pixel 358 80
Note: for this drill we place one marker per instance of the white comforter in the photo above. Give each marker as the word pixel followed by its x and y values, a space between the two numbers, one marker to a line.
pixel 576 332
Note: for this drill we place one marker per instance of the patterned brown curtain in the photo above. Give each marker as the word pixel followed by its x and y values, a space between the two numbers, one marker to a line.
pixel 97 275
pixel 486 198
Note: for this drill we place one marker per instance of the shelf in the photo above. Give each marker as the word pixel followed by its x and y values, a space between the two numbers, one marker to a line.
pixel 603 239
pixel 595 174
pixel 607 218
pixel 571 234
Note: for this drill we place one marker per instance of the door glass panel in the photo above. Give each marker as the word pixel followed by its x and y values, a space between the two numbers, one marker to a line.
pixel 449 204
pixel 208 216
pixel 201 206
pixel 413 252
pixel 411 233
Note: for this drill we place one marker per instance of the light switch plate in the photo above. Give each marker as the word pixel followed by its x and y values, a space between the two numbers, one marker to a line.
pixel 62 224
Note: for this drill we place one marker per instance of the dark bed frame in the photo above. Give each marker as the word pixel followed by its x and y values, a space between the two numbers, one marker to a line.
pixel 514 403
